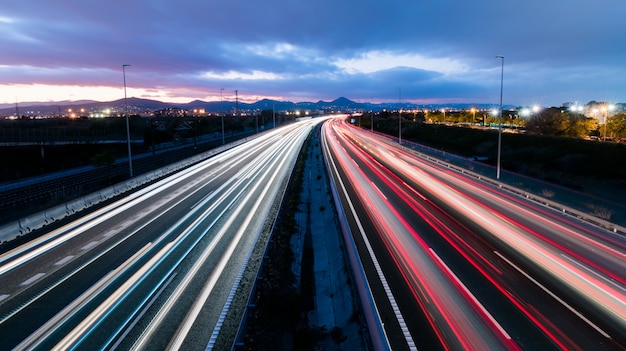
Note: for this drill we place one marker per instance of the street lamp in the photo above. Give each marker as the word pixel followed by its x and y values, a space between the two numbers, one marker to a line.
pixel 372 115
pixel 130 159
pixel 606 110
pixel 500 125
pixel 399 115
pixel 222 114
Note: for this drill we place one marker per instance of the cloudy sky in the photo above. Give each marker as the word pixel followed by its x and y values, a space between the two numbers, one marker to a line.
pixel 423 51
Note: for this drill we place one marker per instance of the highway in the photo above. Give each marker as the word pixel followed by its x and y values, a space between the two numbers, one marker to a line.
pixel 457 263
pixel 155 268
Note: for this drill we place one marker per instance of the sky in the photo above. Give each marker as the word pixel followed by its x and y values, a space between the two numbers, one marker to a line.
pixel 420 51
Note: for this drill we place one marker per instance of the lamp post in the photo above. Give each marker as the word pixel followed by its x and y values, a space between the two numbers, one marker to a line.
pixel 606 110
pixel 399 115
pixel 222 114
pixel 130 159
pixel 500 112
pixel 372 115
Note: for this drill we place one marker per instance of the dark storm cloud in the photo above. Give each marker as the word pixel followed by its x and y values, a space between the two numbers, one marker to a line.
pixel 554 50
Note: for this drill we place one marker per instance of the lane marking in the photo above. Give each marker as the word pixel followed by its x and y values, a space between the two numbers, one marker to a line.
pixel 109 233
pixel 469 293
pixel 380 192
pixel 89 246
pixel 390 297
pixel 143 311
pixel 32 279
pixel 202 200
pixel 4 296
pixel 591 271
pixel 64 260
pixel 574 311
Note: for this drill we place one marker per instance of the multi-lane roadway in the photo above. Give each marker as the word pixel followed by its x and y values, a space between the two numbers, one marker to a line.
pixel 154 269
pixel 452 262
pixel 456 263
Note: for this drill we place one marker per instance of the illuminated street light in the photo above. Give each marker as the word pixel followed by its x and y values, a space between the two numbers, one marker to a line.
pixel 130 160
pixel 525 112
pixel 473 111
pixel 595 113
pixel 606 109
pixel 222 114
pixel 399 115
pixel 500 125
pixel 576 108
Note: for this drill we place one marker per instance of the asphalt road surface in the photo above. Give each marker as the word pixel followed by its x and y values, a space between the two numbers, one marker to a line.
pixel 154 269
pixel 456 263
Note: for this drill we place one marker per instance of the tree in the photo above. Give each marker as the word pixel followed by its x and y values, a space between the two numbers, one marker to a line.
pixel 616 126
pixel 553 121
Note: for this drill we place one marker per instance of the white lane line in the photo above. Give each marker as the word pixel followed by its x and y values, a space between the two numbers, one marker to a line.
pixel 143 311
pixel 64 260
pixel 380 192
pixel 554 296
pixel 390 297
pixel 109 233
pixel 4 296
pixel 591 271
pixel 89 246
pixel 202 200
pixel 414 191
pixel 469 293
pixel 32 279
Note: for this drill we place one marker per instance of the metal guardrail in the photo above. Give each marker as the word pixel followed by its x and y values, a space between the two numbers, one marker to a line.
pixel 374 322
pixel 38 220
pixel 558 206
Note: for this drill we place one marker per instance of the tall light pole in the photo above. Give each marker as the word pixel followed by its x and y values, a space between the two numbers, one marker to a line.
pixel 399 115
pixel 222 114
pixel 372 116
pixel 130 159
pixel 606 109
pixel 500 125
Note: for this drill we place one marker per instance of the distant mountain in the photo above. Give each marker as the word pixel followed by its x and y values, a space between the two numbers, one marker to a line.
pixel 339 104
pixel 46 103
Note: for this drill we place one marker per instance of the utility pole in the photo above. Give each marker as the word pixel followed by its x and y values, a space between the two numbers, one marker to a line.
pixel 130 159
pixel 399 115
pixel 500 124
pixel 236 102
pixel 222 114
